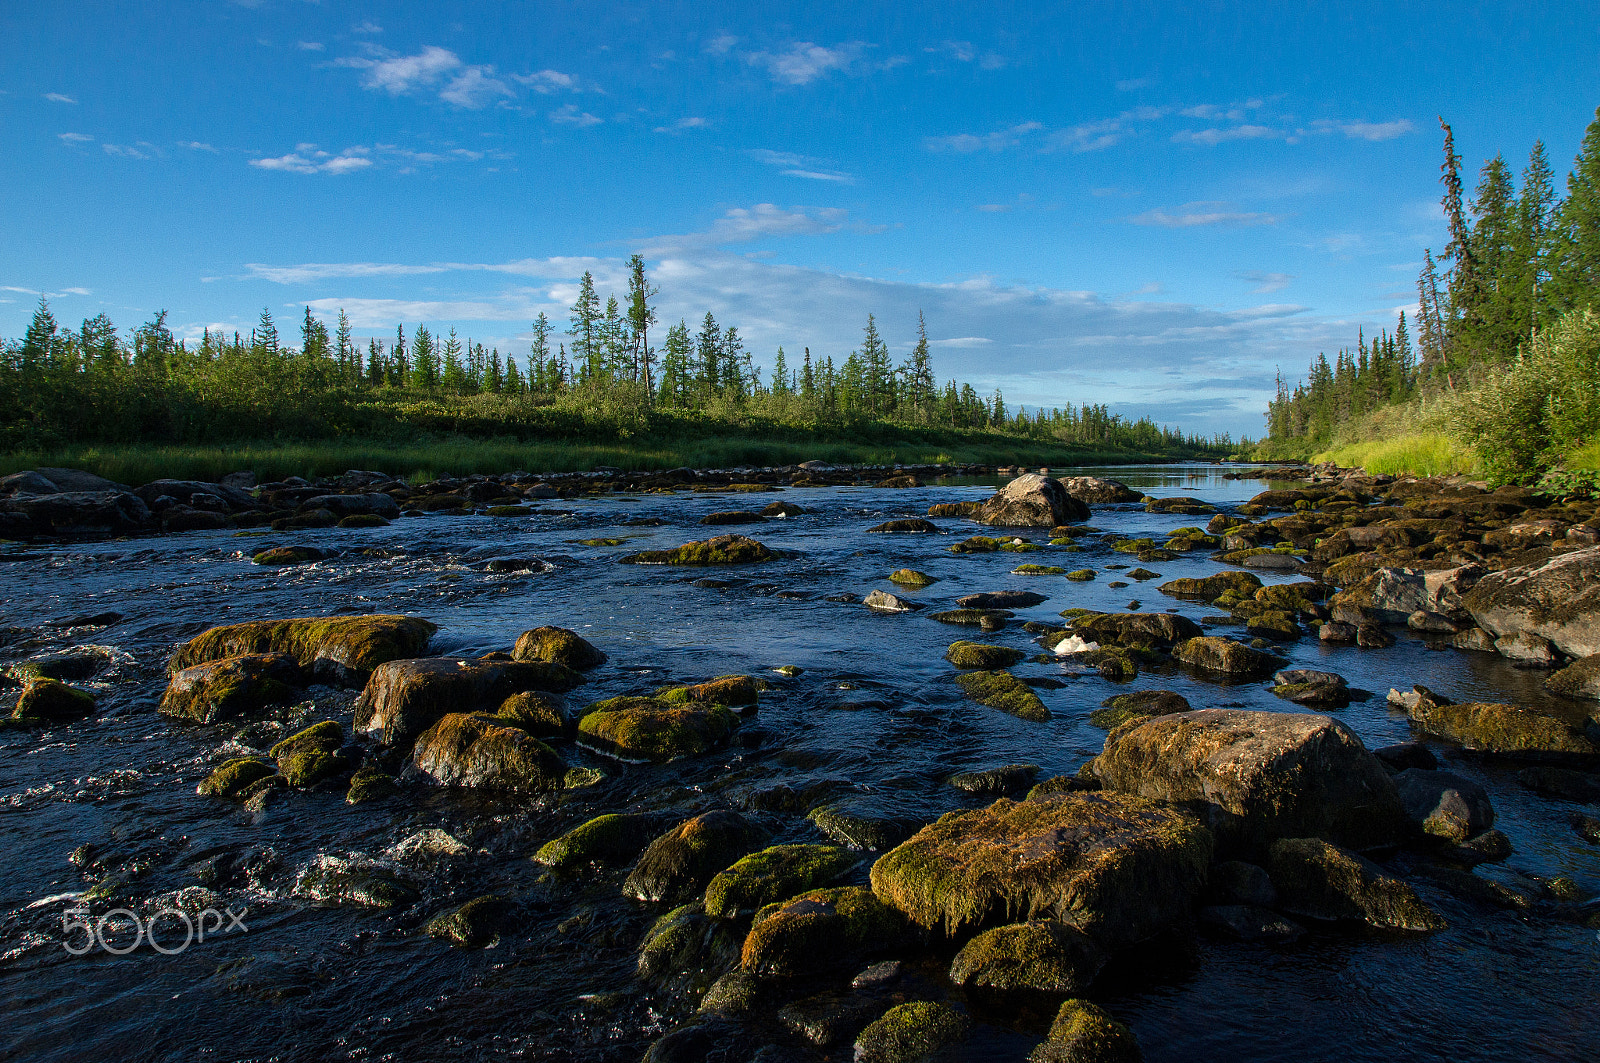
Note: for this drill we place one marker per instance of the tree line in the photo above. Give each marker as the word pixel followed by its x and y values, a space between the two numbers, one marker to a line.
pixel 599 377
pixel 1519 261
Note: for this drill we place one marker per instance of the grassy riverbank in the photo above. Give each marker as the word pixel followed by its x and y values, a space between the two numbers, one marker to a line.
pixel 141 463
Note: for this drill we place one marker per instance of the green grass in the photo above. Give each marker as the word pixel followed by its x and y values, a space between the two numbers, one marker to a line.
pixel 137 464
pixel 1582 459
pixel 1412 453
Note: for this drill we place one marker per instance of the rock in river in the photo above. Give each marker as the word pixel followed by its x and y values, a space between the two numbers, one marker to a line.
pixel 650 729
pixel 557 645
pixel 722 550
pixel 1032 501
pixel 1322 881
pixel 484 752
pixel 232 687
pixel 1224 657
pixel 344 649
pixel 1042 955
pixel 1256 776
pixel 1001 600
pixel 1003 691
pixel 1086 1033
pixel 45 701
pixel 1508 730
pixel 1118 867
pixel 821 931
pixel 405 698
pixel 1558 600
pixel 679 864
pixel 774 874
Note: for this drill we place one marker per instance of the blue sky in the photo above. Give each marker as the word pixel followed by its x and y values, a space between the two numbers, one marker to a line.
pixel 1148 205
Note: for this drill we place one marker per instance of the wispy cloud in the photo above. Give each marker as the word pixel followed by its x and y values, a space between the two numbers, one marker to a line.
pixel 744 224
pixel 57 97
pixel 804 62
pixel 308 158
pixel 570 115
pixel 311 46
pixel 720 45
pixel 142 150
pixel 999 140
pixel 195 145
pixel 1374 131
pixel 1265 282
pixel 548 81
pixel 457 83
pixel 683 125
pixel 1196 215
pixel 792 165
pixel 965 52
pixel 1134 84
pixel 1212 137
pixel 366 27
pixel 75 138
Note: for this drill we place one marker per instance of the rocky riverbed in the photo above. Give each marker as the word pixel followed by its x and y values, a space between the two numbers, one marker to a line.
pixel 801 764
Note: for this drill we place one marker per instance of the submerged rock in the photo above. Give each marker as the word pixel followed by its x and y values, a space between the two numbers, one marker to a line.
pixel 915 525
pixel 344 649
pixel 1001 600
pixel 557 645
pixel 358 882
pixel 475 924
pixel 232 687
pixel 1256 776
pixel 606 838
pixel 482 752
pixel 679 863
pixel 45 701
pixel 650 729
pixel 965 654
pixel 1032 501
pixel 1003 691
pixel 1137 705
pixel 984 619
pixel 233 777
pixel 856 825
pixel 884 602
pixel 1118 867
pixel 313 755
pixel 1319 880
pixel 722 550
pixel 1007 778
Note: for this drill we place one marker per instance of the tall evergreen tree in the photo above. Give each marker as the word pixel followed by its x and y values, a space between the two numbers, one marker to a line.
pixel 539 354
pixel 424 357
pixel 1575 270
pixel 584 324
pixel 641 315
pixel 708 352
pixel 39 343
pixel 266 334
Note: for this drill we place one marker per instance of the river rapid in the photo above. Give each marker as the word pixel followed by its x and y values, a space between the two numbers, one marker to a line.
pixel 109 804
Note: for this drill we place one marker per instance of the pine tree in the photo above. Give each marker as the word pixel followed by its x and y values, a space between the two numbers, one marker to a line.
pixel 452 373
pixel 1493 331
pixel 780 374
pixel 513 384
pixel 1463 312
pixel 1575 270
pixel 808 378
pixel 266 334
pixel 738 374
pixel 877 378
pixel 377 370
pixel 1534 232
pixel 677 358
pixel 494 373
pixel 424 358
pixel 400 360
pixel 349 364
pixel 313 338
pixel 919 372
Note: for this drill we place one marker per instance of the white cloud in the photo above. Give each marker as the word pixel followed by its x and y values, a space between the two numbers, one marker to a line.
pixel 142 150
pixel 1195 215
pixel 962 342
pixel 1212 137
pixel 548 81
pixel 57 97
pixel 721 45
pixel 1265 282
pixel 570 115
pixel 458 83
pixel 792 165
pixel 1091 136
pixel 1134 84
pixel 967 143
pixel 821 175
pixel 195 145
pixel 1369 130
pixel 311 46
pixel 805 62
pixel 366 27
pixel 742 224
pixel 308 158
pixel 474 88
pixel 683 125
pixel 994 208
pixel 74 138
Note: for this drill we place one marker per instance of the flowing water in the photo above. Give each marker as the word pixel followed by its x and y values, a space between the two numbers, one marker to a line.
pixel 873 716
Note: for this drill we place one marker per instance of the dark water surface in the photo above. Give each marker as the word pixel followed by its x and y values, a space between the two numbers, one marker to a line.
pixel 874 711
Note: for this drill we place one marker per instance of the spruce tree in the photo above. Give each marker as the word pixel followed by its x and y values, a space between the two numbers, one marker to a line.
pixel 641 315
pixel 424 358
pixel 1575 270
pixel 539 355
pixel 583 328
pixel 40 341
pixel 708 352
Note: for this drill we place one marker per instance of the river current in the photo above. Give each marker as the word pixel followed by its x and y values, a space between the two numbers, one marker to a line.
pixel 873 715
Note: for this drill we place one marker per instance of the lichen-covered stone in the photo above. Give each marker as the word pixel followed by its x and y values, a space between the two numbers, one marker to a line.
pixel 678 864
pixel 1118 867
pixel 732 690
pixel 1580 679
pixel 1097 490
pixel 1210 588
pixel 954 509
pixel 481 752
pixel 607 838
pixel 773 874
pixel 915 525
pixel 1443 804
pixel 982 655
pixel 1086 1033
pixel 405 698
pixel 232 777
pixel 1256 776
pixel 339 648
pixel 820 931
pixel 1224 657
pixel 911 1031
pixel 689 949
pixel 983 544
pixel 1044 955
pixel 653 730
pixel 370 783
pixel 1319 880
pixel 312 755
pixel 232 687
pixel 1134 629
pixel 1558 600
pixel 44 701
pixel 983 619
pixel 1004 691
pixel 910 577
pixel 1038 570
pixel 279 556
pixel 722 550
pixel 1137 705
pixel 541 714
pixel 1509 730
pixel 557 645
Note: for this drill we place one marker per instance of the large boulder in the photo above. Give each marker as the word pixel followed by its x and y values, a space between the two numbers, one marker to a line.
pixel 1086 1033
pixel 557 645
pixel 1130 629
pixel 1118 867
pixel 1322 881
pixel 722 550
pixel 1256 776
pixel 1224 657
pixel 681 862
pixel 774 874
pixel 1095 490
pixel 1558 600
pixel 343 649
pixel 232 687
pixel 405 698
pixel 375 503
pixel 72 512
pixel 1042 955
pixel 1509 730
pixel 1031 501
pixel 820 931
pixel 184 490
pixel 652 730
pixel 485 753
pixel 1580 679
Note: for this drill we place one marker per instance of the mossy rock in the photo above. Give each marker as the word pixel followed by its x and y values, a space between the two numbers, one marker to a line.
pixel 1319 880
pixel 1086 1033
pixel 689 950
pixel 954 509
pixel 346 648
pixel 405 698
pixel 509 511
pixel 557 645
pixel 370 783
pixel 910 1032
pixel 324 737
pixel 336 882
pixel 1133 546
pixel 965 654
pixel 288 555
pixel 857 827
pixel 722 550
pixel 315 518
pixel 312 756
pixel 1081 575
pixel 650 730
pixel 599 542
pixel 733 516
pixel 773 874
pixel 732 690
pixel 986 619
pixel 983 544
pixel 1118 867
pixel 483 752
pixel 234 776
pixel 1210 588
pixel 364 520
pixel 1004 691
pixel 677 865
pixel 608 838
pixel 232 687
pixel 819 931
pixel 910 577
pixel 1042 955
pixel 1507 730
pixel 1040 570
pixel 1137 705
pixel 537 712
pixel 1001 780
pixel 1135 629
pixel 45 701
pixel 476 924
pixel 1224 657
pixel 1273 624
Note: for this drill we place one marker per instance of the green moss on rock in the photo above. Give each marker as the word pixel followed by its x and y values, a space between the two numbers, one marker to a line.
pixel 476 924
pixel 1043 955
pixel 910 577
pixel 1224 657
pixel 1003 691
pixel 1086 1033
pixel 483 752
pixel 982 655
pixel 557 645
pixel 372 520
pixel 773 874
pixel 234 776
pixel 232 687
pixel 722 550
pixel 370 783
pixel 648 729
pixel 733 690
pixel 1319 880
pixel 607 838
pixel 1040 570
pixel 44 701
pixel 911 1031
pixel 537 712
pixel 345 646
pixel 985 619
pixel 288 555
pixel 983 544
pixel 820 931
pixel 678 864
pixel 312 755
pixel 1137 705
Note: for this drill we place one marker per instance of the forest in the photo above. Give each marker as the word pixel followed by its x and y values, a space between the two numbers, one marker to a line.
pixel 1503 358
pixel 601 378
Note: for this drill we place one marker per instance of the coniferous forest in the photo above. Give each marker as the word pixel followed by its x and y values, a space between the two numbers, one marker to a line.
pixel 1503 356
pixel 608 375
